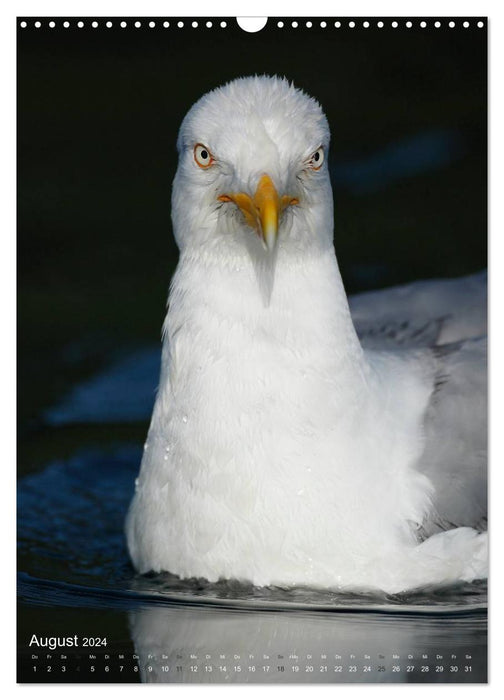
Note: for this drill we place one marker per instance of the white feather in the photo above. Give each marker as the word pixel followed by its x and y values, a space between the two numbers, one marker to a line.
pixel 279 451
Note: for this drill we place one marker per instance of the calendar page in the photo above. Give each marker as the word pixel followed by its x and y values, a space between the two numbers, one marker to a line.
pixel 252 381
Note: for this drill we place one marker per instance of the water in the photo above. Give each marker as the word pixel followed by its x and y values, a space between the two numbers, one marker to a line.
pixel 75 578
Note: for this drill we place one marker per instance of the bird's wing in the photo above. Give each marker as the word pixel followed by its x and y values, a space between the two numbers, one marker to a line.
pixel 447 318
pixel 455 428
pixel 422 314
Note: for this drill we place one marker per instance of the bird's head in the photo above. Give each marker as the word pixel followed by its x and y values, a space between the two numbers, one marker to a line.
pixel 253 169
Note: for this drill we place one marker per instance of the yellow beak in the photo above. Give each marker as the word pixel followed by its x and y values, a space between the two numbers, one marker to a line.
pixel 262 211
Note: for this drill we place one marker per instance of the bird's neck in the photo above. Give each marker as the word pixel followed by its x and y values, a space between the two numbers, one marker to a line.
pixel 221 311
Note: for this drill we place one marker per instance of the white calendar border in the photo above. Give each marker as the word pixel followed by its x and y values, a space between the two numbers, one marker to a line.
pixel 243 8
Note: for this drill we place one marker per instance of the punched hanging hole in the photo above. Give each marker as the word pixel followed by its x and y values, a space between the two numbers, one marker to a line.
pixel 252 24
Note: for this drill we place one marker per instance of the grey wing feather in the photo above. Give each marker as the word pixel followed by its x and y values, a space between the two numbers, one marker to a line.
pixel 455 455
pixel 422 314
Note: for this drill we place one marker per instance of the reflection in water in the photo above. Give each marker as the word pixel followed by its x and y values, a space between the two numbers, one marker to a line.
pixel 194 645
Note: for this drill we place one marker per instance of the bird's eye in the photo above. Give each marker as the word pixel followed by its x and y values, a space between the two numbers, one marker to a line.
pixel 316 159
pixel 202 156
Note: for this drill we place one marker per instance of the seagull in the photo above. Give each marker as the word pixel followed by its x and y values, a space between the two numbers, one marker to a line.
pixel 283 449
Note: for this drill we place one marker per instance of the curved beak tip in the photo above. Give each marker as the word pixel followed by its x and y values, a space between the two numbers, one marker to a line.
pixel 269 236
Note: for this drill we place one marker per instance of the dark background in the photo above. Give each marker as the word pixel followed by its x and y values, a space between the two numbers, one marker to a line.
pixel 98 115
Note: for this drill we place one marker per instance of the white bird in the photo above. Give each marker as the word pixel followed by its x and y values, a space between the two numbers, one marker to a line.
pixel 281 450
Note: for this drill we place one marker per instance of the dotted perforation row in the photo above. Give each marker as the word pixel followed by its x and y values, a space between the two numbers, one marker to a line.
pixel 280 24
pixel 123 24
pixel 379 23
